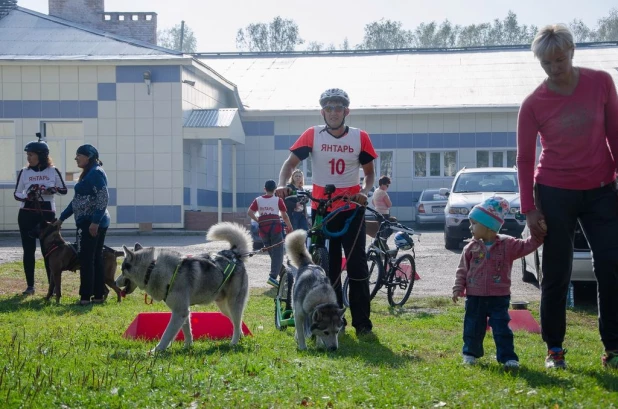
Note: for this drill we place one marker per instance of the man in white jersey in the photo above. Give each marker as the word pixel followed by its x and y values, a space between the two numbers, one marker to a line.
pixel 337 152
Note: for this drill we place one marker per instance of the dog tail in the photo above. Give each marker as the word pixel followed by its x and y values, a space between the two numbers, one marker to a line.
pixel 235 234
pixel 295 248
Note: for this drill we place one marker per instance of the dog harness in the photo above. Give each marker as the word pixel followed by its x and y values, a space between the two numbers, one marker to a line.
pixel 227 273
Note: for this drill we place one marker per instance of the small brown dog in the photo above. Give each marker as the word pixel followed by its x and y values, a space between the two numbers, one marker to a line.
pixel 61 256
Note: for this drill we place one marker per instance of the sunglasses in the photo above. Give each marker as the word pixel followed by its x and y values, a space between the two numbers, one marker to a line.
pixel 336 108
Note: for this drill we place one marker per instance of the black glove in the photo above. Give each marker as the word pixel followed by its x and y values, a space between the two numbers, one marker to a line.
pixel 50 190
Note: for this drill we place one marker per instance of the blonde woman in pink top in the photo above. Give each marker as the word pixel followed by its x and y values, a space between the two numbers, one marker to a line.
pixel 575 113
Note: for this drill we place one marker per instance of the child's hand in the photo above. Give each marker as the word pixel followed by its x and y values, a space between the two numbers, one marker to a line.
pixel 455 296
pixel 543 225
pixel 288 229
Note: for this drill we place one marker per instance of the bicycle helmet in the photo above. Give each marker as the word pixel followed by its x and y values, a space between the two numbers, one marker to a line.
pixel 403 241
pixel 39 147
pixel 335 94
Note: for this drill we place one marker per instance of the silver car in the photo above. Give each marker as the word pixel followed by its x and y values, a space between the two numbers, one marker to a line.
pixel 582 260
pixel 430 207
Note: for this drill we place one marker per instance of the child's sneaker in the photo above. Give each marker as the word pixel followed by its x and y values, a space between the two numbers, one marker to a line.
pixel 273 281
pixel 469 360
pixel 28 291
pixel 610 359
pixel 555 358
pixel 511 364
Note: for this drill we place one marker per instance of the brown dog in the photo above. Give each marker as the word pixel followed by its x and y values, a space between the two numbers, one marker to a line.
pixel 61 256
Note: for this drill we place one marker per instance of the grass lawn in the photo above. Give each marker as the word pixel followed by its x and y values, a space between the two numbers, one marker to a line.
pixel 75 357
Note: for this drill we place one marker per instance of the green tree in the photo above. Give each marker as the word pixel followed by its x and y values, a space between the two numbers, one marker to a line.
pixel 608 27
pixel 170 38
pixel 430 35
pixel 278 35
pixel 385 34
pixel 581 32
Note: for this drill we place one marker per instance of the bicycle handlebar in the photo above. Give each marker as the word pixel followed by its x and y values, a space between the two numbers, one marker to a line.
pixel 395 226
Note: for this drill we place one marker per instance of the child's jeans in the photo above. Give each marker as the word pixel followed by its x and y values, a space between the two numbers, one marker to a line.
pixel 475 326
pixel 275 253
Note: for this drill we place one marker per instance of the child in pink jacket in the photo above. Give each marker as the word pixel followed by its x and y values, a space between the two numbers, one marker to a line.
pixel 484 277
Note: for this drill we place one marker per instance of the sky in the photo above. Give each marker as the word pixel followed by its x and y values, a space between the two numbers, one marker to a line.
pixel 215 24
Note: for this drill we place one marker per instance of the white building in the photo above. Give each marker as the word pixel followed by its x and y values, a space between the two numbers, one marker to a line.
pixel 207 130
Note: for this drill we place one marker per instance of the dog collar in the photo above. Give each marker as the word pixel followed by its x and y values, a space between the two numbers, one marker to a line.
pixel 148 272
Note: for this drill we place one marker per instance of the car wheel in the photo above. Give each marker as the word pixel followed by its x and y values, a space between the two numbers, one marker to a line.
pixel 450 243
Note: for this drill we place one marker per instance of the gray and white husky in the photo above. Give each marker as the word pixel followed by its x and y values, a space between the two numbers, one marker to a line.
pixel 184 281
pixel 314 301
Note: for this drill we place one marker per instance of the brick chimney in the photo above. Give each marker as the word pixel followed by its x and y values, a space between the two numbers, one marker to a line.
pixel 139 25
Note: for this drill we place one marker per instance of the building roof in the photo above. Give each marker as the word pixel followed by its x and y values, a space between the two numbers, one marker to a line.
pixel 488 78
pixel 210 118
pixel 28 35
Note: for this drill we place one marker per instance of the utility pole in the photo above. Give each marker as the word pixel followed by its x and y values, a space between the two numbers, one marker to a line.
pixel 182 33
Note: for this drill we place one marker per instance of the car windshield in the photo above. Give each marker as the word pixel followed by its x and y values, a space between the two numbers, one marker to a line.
pixel 487 182
pixel 432 196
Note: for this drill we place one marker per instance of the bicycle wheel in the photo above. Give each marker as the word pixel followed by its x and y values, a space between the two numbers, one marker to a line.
pixel 320 258
pixel 376 273
pixel 284 296
pixel 401 280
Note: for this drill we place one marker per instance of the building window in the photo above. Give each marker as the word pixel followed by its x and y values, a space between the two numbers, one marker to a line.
pixel 120 18
pixel 134 17
pixel 148 17
pixel 384 165
pixel 496 159
pixel 7 151
pixel 63 139
pixel 435 164
pixel 107 17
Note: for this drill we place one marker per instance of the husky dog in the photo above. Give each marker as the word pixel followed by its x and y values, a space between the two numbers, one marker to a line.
pixel 314 301
pixel 184 281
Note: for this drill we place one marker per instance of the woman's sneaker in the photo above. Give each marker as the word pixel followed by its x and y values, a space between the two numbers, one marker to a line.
pixel 273 281
pixel 28 291
pixel 610 359
pixel 511 364
pixel 555 358
pixel 469 360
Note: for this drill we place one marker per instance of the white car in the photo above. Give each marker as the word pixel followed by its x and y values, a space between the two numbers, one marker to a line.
pixel 582 261
pixel 471 187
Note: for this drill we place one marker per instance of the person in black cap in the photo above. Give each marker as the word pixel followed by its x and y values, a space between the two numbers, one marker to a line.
pixel 89 207
pixel 35 188
pixel 270 209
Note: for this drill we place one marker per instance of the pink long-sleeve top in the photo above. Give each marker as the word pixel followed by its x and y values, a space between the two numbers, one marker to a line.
pixel 579 136
pixel 486 272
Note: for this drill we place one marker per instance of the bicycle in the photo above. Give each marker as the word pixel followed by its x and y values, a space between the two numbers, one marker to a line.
pixel 397 275
pixel 317 239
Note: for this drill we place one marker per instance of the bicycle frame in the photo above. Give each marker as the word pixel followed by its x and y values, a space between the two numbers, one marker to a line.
pixel 378 245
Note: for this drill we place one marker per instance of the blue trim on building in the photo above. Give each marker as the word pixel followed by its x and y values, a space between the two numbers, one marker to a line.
pixel 50 109
pixel 158 73
pixel 148 214
pixel 13 109
pixel 88 109
pixel 259 128
pixel 186 196
pixel 106 91
pixel 31 109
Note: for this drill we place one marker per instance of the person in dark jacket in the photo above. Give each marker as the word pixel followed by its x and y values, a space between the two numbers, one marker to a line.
pixel 36 186
pixel 89 208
